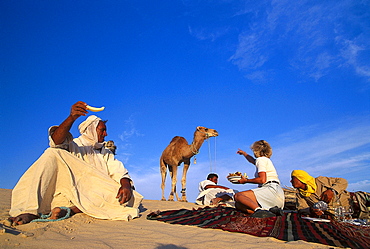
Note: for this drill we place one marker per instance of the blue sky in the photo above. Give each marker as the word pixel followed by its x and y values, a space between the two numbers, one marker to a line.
pixel 295 73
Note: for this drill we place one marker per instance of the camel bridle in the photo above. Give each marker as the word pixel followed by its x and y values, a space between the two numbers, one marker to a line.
pixel 209 150
pixel 195 152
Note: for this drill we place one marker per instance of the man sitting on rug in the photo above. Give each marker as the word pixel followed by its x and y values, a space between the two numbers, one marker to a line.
pixel 75 175
pixel 213 194
pixel 332 191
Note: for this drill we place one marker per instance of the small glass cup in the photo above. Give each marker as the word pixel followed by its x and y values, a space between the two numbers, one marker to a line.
pixel 321 205
pixel 348 211
pixel 339 213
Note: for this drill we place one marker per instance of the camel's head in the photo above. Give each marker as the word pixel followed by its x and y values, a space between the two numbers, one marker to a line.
pixel 208 132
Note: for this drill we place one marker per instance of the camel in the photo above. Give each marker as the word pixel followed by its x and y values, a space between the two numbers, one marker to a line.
pixel 177 152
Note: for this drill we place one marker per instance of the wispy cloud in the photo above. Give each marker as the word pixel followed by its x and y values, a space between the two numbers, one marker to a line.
pixel 130 130
pixel 359 186
pixel 312 38
pixel 250 53
pixel 351 53
pixel 124 145
pixel 326 150
pixel 310 151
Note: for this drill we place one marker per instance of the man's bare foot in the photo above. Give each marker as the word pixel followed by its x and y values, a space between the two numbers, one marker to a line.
pixel 58 212
pixel 75 210
pixel 22 219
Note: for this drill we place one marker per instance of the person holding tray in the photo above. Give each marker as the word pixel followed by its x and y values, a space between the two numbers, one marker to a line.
pixel 268 199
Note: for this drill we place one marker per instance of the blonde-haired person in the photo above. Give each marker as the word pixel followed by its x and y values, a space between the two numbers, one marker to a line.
pixel 268 199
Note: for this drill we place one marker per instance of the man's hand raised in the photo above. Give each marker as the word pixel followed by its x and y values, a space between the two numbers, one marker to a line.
pixel 60 133
pixel 78 110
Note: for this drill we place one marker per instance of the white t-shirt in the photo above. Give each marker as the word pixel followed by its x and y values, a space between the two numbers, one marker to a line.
pixel 204 183
pixel 264 164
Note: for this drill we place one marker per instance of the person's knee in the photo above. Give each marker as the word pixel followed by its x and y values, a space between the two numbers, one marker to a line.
pixel 51 155
pixel 237 196
pixel 51 151
pixel 245 194
pixel 57 152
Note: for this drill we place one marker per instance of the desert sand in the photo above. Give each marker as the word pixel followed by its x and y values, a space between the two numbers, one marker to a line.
pixel 82 231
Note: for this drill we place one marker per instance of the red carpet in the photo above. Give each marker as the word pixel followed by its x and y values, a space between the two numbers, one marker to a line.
pixel 289 227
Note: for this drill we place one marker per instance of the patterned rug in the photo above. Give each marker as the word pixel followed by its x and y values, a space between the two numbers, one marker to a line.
pixel 289 227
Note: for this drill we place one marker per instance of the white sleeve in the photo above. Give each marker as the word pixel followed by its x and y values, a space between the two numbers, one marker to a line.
pixel 261 164
pixel 204 183
pixel 116 169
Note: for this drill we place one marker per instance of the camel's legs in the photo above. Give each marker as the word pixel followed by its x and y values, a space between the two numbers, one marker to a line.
pixel 173 174
pixel 163 174
pixel 183 181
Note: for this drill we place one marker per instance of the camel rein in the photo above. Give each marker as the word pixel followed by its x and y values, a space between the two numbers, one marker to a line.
pixel 210 158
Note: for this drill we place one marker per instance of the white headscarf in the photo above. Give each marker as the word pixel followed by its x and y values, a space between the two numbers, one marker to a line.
pixel 88 132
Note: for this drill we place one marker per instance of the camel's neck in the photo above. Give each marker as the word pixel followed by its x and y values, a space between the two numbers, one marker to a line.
pixel 197 142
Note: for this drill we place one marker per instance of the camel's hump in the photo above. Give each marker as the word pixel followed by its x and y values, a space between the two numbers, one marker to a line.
pixel 176 139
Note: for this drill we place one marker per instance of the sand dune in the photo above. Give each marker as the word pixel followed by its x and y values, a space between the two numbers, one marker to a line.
pixel 82 231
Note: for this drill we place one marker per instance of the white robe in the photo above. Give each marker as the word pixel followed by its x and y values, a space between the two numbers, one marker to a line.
pixel 74 174
pixel 206 195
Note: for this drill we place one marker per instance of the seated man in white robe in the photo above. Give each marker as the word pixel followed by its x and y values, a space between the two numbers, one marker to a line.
pixel 75 175
pixel 213 194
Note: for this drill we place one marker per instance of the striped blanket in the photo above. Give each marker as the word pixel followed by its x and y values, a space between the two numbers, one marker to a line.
pixel 289 227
